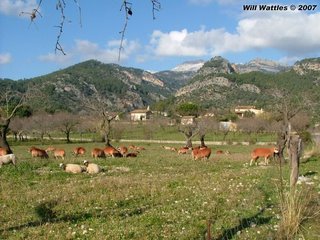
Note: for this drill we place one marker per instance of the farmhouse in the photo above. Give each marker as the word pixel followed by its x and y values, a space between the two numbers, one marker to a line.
pixel 228 126
pixel 241 110
pixel 140 114
pixel 187 120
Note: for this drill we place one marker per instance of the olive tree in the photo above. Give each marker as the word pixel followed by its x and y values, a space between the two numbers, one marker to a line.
pixel 10 102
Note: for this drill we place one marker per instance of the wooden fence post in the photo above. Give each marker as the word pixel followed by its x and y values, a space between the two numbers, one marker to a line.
pixel 295 149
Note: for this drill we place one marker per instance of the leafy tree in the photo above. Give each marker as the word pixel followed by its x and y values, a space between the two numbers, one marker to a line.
pixel 188 109
pixel 24 111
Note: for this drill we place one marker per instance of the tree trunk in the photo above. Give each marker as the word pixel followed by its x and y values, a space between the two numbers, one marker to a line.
pixel 281 144
pixel 188 135
pixel 295 147
pixel 68 136
pixel 3 136
pixel 108 131
pixel 202 144
pixel 189 142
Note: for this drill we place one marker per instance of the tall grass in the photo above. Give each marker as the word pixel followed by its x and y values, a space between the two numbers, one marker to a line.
pixel 295 208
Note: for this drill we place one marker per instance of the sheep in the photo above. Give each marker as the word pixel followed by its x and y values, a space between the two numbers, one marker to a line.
pixel 37 152
pixel 79 151
pixel 123 150
pixel 72 168
pixel 3 151
pixel 6 159
pixel 97 153
pixel 92 167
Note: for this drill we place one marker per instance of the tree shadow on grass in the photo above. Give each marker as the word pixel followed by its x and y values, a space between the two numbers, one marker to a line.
pixel 46 214
pixel 244 223
pixel 310 173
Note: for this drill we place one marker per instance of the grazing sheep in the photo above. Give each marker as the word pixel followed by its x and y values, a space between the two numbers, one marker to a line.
pixel 263 152
pixel 111 151
pixel 72 168
pixel 123 150
pixel 6 159
pixel 201 152
pixel 79 151
pixel 133 147
pixel 37 152
pixel 97 153
pixel 183 150
pixel 3 151
pixel 57 153
pixel 91 167
pixel 170 148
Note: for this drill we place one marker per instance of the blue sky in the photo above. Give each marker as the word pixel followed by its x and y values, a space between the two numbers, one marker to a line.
pixel 183 30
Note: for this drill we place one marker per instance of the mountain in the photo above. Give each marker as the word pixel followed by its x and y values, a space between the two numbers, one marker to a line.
pixel 307 65
pixel 122 88
pixel 189 66
pixel 261 65
pixel 217 65
pixel 175 79
pixel 220 84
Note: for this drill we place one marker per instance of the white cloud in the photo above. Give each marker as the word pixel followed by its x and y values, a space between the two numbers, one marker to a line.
pixel 222 2
pixel 14 7
pixel 176 43
pixel 293 33
pixel 109 54
pixel 85 50
pixel 5 58
pixel 57 58
pixel 288 60
pixel 200 2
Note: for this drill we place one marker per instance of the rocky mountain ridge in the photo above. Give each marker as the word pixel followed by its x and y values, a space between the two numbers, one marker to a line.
pixel 216 82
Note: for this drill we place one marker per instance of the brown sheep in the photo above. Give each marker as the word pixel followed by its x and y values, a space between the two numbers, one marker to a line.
pixel 79 151
pixel 37 152
pixel 97 153
pixel 199 153
pixel 263 152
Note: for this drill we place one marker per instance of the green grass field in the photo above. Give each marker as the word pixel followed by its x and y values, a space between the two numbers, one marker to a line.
pixel 158 195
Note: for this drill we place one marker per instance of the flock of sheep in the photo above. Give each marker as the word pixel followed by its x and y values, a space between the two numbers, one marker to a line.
pixel 88 167
pixel 197 153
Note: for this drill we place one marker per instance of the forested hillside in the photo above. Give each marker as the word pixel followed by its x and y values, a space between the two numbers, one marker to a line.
pixel 217 84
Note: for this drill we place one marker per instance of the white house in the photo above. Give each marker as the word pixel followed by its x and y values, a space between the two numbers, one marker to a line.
pixel 240 110
pixel 188 120
pixel 140 114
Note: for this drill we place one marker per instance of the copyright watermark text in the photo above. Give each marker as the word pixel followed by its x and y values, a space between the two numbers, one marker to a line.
pixel 275 7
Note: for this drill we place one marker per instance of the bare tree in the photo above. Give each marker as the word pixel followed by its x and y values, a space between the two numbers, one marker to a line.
pixel 206 125
pixel 18 128
pixel 252 126
pixel 10 102
pixel 286 109
pixel 41 124
pixel 65 122
pixel 99 106
pixel 189 131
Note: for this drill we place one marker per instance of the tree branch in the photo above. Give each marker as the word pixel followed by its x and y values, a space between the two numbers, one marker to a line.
pixel 126 6
pixel 156 6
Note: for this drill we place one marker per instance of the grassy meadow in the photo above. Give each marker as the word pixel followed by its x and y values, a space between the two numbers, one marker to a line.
pixel 158 195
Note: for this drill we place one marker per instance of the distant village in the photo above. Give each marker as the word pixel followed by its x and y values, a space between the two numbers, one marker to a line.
pixel 147 114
